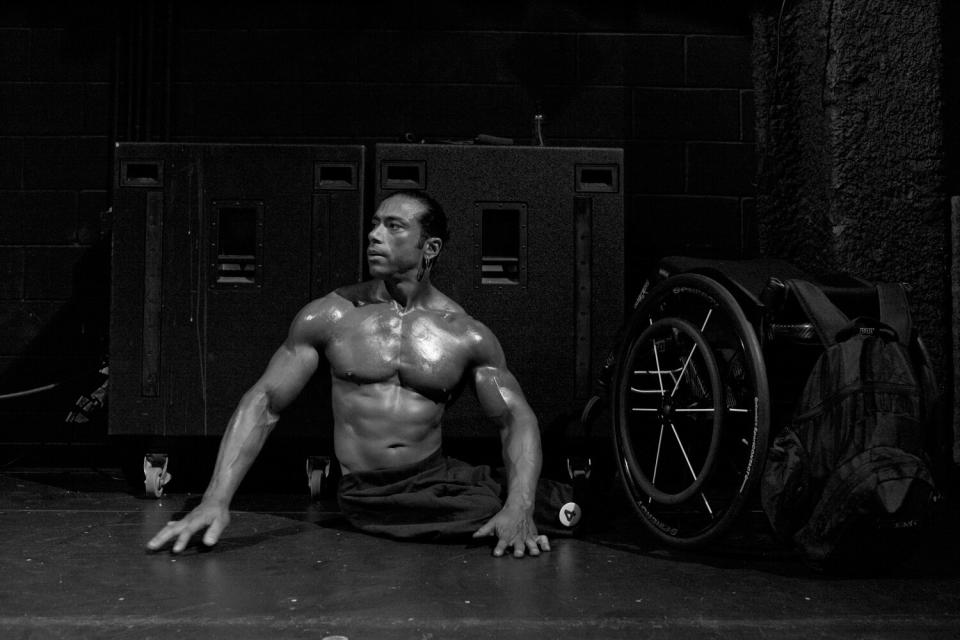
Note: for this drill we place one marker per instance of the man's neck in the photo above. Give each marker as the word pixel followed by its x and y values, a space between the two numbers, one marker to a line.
pixel 408 294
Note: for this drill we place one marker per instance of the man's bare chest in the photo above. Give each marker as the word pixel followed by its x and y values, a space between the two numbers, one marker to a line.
pixel 418 349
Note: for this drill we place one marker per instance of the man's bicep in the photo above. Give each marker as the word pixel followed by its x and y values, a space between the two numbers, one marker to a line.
pixel 498 392
pixel 497 389
pixel 288 372
pixel 293 364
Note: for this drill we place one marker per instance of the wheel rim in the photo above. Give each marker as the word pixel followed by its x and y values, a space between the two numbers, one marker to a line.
pixel 673 398
pixel 740 448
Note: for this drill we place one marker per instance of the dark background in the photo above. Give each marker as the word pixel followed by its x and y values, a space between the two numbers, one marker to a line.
pixel 671 82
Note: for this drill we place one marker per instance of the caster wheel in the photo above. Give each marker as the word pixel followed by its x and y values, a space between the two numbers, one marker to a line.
pixel 155 475
pixel 318 473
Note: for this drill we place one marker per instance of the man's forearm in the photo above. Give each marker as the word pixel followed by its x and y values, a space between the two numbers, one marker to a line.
pixel 522 459
pixel 246 433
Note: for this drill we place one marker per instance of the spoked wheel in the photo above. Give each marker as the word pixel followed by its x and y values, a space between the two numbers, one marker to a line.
pixel 691 410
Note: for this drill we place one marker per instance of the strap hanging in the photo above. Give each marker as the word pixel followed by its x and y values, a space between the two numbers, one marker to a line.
pixel 827 319
pixel 895 309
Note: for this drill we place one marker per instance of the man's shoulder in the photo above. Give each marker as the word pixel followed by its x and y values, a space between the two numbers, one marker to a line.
pixel 444 305
pixel 459 321
pixel 357 294
pixel 319 316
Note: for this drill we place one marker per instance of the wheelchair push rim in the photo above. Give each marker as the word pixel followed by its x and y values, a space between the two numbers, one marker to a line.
pixel 669 362
pixel 688 473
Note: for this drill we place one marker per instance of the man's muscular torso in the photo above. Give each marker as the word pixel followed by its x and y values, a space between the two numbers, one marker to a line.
pixel 393 373
pixel 398 351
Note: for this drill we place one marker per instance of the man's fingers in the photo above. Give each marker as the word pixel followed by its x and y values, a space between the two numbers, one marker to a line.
pixel 182 540
pixel 163 537
pixel 484 531
pixel 533 547
pixel 157 541
pixel 211 519
pixel 544 543
pixel 183 531
pixel 213 533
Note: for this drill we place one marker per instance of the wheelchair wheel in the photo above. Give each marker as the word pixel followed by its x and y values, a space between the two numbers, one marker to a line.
pixel 691 410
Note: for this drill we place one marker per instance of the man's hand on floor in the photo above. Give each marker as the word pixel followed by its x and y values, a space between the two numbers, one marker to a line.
pixel 210 516
pixel 514 529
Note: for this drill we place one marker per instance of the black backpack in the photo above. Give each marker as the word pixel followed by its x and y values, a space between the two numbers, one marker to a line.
pixel 849 480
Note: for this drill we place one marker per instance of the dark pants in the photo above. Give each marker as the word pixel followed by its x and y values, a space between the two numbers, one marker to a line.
pixel 439 498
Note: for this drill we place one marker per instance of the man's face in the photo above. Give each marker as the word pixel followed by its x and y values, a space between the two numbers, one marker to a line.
pixel 394 246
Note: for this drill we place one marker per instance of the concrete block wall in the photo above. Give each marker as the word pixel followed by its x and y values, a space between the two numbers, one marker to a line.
pixel 55 114
pixel 671 84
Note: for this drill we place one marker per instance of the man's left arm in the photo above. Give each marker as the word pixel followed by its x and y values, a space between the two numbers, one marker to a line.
pixel 502 400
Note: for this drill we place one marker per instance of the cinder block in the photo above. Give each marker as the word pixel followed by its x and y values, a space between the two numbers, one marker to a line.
pixel 97 108
pixel 56 15
pixel 243 110
pixel 721 168
pixel 397 16
pixel 38 217
pixel 681 17
pixel 11 273
pixel 748 113
pixel 477 58
pixel 719 61
pixel 328 56
pixel 330 15
pixel 11 216
pixel 392 111
pixel 751 233
pixel 14 55
pixel 686 114
pixel 92 216
pixel 73 54
pixel 50 273
pixel 654 167
pixel 66 163
pixel 528 59
pixel 647 60
pixel 41 109
pixel 467 111
pixel 335 110
pixel 11 163
pixel 254 55
pixel 578 112
pixel 12 105
pixel 21 322
pixel 685 225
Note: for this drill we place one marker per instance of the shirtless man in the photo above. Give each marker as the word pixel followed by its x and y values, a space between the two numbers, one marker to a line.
pixel 398 351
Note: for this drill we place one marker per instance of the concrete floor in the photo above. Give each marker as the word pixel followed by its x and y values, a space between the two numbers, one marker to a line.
pixel 73 565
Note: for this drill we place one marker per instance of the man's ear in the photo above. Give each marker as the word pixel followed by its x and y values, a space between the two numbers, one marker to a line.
pixel 431 248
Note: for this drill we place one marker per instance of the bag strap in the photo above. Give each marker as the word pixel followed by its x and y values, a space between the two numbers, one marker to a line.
pixel 895 309
pixel 827 319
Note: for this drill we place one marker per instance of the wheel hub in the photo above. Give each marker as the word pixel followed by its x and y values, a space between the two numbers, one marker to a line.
pixel 666 409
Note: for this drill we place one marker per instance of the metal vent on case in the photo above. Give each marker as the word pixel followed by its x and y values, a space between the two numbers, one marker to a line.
pixel 401 174
pixel 503 243
pixel 236 244
pixel 597 178
pixel 335 175
pixel 141 173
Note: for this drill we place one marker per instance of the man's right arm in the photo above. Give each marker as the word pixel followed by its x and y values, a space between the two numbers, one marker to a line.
pixel 288 372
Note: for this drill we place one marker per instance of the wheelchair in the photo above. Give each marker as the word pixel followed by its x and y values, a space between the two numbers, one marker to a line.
pixel 713 356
